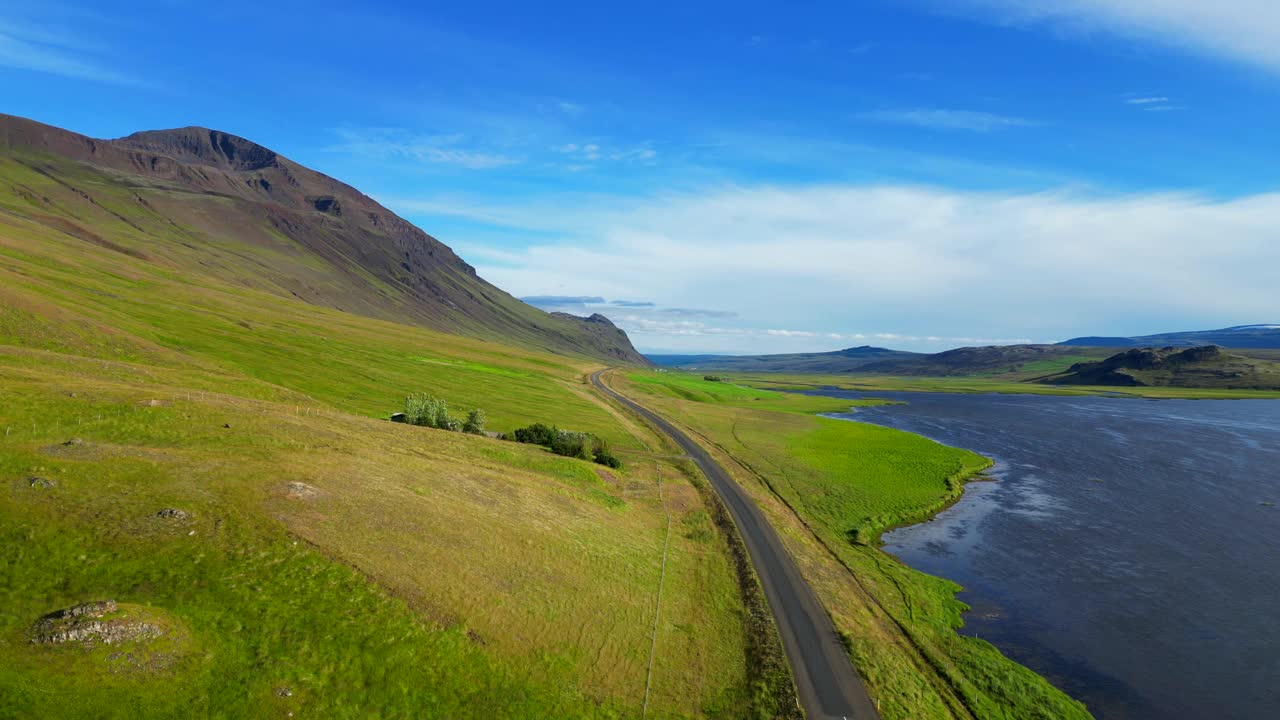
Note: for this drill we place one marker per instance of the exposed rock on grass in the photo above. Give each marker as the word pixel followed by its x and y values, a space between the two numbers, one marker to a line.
pixel 91 623
pixel 301 491
pixel 41 483
pixel 174 514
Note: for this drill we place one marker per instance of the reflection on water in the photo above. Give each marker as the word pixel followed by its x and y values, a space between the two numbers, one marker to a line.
pixel 1126 549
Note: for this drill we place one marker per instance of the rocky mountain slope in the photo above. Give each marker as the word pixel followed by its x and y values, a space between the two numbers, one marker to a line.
pixel 1202 367
pixel 204 201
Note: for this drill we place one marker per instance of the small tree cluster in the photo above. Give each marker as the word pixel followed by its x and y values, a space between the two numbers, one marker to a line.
pixel 583 446
pixel 427 411
pixel 713 378
pixel 474 424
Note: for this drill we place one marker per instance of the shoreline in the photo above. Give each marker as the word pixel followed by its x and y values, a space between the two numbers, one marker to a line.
pixel 955 484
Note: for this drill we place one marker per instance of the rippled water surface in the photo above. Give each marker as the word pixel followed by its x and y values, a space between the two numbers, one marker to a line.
pixel 1128 549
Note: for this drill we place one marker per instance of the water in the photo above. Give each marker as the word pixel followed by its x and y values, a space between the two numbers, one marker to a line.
pixel 1124 550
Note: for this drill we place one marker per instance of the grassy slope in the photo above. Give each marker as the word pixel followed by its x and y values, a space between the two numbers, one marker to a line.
pixel 828 484
pixel 286 250
pixel 434 575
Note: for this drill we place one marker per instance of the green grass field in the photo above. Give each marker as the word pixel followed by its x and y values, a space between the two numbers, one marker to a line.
pixel 831 486
pixel 413 573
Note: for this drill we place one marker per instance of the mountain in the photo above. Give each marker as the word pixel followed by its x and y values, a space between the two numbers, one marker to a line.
pixel 203 201
pixel 1009 359
pixel 988 360
pixel 1201 367
pixel 847 360
pixel 1240 336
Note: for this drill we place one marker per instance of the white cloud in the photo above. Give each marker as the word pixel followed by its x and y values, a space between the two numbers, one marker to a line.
pixel 49 50
pixel 1147 100
pixel 936 119
pixel 591 152
pixel 435 149
pixel 1246 30
pixel 900 265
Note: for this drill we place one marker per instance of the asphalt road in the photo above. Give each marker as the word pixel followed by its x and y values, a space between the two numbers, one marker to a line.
pixel 828 685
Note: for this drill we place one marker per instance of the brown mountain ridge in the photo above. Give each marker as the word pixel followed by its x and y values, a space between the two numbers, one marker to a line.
pixel 211 202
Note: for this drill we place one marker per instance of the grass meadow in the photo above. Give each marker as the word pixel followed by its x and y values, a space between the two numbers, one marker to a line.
pixel 333 564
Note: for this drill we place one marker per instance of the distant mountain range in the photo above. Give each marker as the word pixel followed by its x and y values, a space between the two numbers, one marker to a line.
pixel 824 362
pixel 1009 361
pixel 881 361
pixel 221 206
pixel 1240 336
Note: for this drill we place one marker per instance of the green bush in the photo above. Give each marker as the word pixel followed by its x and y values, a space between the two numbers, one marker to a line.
pixel 536 434
pixel 713 378
pixel 601 454
pixel 427 411
pixel 475 422
pixel 583 446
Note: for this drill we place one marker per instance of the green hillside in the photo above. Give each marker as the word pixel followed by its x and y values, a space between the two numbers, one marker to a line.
pixel 207 454
pixel 221 207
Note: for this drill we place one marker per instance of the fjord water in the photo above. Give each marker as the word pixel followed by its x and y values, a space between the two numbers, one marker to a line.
pixel 1126 550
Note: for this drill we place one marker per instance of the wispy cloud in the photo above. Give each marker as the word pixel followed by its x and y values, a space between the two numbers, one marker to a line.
pixel 937 119
pixel 558 301
pixel 589 152
pixel 448 149
pixel 52 50
pixel 1151 103
pixel 1246 30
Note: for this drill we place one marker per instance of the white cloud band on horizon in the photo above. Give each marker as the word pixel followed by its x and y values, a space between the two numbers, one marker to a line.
pixel 915 262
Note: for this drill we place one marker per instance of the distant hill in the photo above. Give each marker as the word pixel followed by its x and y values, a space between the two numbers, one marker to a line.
pixel 838 361
pixel 206 202
pixel 1201 367
pixel 987 360
pixel 1240 336
pixel 1027 360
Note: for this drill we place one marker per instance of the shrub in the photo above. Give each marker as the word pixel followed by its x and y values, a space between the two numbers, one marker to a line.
pixel 475 422
pixel 601 454
pixel 419 409
pixel 713 378
pixel 536 434
pixel 609 460
pixel 572 444
pixel 583 446
pixel 422 409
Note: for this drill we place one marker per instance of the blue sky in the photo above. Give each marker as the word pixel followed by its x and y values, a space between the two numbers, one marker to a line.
pixel 744 178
